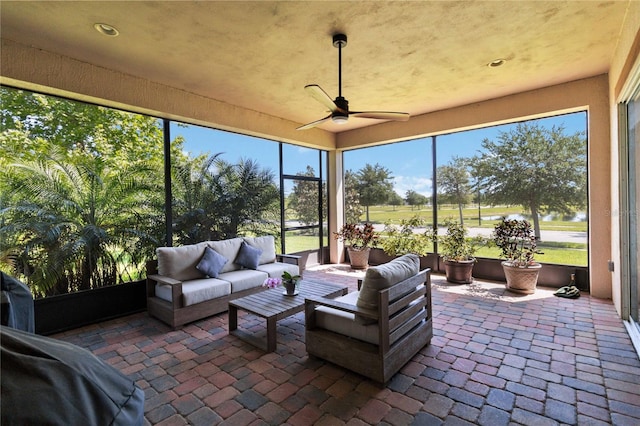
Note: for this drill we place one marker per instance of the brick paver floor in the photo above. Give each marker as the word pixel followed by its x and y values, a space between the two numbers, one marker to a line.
pixel 496 359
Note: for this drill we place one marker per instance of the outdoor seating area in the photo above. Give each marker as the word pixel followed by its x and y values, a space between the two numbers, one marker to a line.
pixel 158 191
pixel 196 281
pixel 496 358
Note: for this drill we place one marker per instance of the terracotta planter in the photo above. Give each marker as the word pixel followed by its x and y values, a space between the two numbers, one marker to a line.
pixel 521 280
pixel 359 258
pixel 459 272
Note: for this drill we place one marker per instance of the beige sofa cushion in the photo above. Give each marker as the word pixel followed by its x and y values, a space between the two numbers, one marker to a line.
pixel 344 323
pixel 244 279
pixel 229 249
pixel 180 263
pixel 268 246
pixel 384 276
pixel 276 269
pixel 196 291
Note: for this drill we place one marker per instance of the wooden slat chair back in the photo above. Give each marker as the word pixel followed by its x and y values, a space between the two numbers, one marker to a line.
pixel 405 325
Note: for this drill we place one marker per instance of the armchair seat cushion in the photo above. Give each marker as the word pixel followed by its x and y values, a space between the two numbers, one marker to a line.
pixel 244 279
pixel 196 291
pixel 344 323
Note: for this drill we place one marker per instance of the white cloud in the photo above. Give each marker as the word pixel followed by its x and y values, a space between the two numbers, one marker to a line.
pixel 422 185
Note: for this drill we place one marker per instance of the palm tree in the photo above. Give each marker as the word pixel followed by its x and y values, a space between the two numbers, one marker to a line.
pixel 70 223
pixel 215 199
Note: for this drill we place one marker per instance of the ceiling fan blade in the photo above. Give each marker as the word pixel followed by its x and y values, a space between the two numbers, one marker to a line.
pixel 321 96
pixel 382 115
pixel 314 123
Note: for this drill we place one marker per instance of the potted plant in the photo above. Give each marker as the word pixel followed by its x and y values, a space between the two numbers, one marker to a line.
pixel 288 281
pixel 518 243
pixel 402 239
pixel 359 240
pixel 458 252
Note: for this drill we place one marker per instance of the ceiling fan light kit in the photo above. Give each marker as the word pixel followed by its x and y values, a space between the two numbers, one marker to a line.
pixel 339 107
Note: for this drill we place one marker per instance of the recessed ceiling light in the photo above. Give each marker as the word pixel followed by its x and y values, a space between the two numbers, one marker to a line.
pixel 496 63
pixel 106 29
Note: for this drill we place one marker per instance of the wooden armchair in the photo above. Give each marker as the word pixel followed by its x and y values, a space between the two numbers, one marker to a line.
pixel 401 325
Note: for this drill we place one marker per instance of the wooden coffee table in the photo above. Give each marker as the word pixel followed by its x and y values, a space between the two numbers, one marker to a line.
pixel 274 305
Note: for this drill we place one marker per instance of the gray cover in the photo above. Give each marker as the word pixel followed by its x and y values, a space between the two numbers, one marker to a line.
pixel 17 304
pixel 47 381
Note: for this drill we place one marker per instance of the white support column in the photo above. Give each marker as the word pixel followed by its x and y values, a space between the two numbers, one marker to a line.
pixel 336 204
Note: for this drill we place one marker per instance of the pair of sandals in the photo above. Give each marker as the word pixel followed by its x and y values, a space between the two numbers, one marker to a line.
pixel 569 291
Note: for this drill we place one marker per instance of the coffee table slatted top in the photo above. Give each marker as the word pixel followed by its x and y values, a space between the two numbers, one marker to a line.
pixel 274 305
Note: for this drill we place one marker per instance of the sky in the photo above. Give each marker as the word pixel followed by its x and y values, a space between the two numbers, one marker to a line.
pixel 409 162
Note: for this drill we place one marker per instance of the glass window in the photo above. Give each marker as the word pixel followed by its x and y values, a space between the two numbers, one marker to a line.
pixel 223 185
pixel 534 170
pixel 82 192
pixel 389 182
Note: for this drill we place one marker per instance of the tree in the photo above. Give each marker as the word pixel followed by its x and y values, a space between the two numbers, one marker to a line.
pixel 374 186
pixel 216 200
pixel 414 198
pixel 304 198
pixel 73 226
pixel 453 181
pixel 395 200
pixel 81 203
pixel 352 208
pixel 539 168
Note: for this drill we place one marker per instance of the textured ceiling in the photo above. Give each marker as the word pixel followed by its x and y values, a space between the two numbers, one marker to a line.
pixel 413 56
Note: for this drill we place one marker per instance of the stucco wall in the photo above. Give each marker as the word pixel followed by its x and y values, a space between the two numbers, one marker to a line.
pixel 35 69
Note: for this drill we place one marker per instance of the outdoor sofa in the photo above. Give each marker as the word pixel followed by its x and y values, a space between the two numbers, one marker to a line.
pixel 192 282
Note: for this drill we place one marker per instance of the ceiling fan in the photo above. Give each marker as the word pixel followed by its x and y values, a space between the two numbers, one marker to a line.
pixel 340 106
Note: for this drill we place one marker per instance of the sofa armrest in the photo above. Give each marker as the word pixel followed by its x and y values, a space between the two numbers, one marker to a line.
pixel 176 288
pixel 161 279
pixel 288 258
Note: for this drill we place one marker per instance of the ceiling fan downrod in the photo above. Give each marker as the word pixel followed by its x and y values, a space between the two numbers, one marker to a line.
pixel 339 41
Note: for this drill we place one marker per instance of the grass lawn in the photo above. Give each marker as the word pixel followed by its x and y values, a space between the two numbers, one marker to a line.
pixel 554 252
pixel 382 214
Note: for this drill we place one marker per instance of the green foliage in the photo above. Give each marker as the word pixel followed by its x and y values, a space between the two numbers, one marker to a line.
pixel 403 238
pixel 453 181
pixel 455 245
pixel 358 236
pixel 304 199
pixel 373 185
pixel 82 202
pixel 67 226
pixel 287 277
pixel 541 169
pixel 215 200
pixel 517 242
pixel 353 210
pixel 395 199
pixel 415 199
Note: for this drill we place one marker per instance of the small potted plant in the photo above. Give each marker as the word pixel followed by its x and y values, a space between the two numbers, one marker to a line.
pixel 288 281
pixel 517 241
pixel 458 252
pixel 359 240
